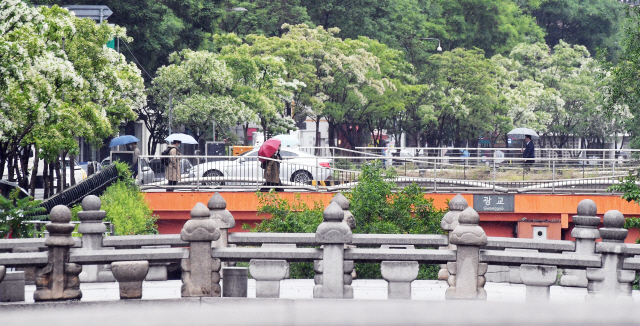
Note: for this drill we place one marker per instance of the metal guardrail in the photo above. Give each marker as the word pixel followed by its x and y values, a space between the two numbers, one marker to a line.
pixel 435 173
pixel 93 185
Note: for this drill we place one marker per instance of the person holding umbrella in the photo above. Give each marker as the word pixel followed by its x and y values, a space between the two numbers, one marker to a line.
pixel 528 152
pixel 173 169
pixel 136 153
pixel 271 149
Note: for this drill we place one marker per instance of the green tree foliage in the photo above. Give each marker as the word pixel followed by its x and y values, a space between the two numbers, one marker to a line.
pixel 378 206
pixel 625 86
pixel 15 212
pixel 592 23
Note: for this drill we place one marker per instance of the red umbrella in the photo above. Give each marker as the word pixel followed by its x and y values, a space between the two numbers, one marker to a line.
pixel 268 148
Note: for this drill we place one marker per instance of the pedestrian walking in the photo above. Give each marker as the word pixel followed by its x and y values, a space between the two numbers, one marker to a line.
pixel 528 152
pixel 136 154
pixel 173 169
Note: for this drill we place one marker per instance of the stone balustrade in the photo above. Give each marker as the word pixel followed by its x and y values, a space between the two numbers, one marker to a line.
pixel 204 247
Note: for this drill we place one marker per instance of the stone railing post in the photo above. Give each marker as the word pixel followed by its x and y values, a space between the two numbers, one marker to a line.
pixel 223 218
pixel 58 280
pixel 333 274
pixel 449 222
pixel 343 202
pixel 92 230
pixel 538 279
pixel 130 275
pixel 223 221
pixel 610 280
pixel 585 232
pixel 200 272
pixel 466 275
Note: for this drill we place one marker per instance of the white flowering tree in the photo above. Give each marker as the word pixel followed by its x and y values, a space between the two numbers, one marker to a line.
pixel 201 84
pixel 60 82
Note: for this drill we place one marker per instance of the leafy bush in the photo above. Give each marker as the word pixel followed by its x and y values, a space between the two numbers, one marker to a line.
pixel 15 212
pixel 286 217
pixel 128 210
pixel 378 207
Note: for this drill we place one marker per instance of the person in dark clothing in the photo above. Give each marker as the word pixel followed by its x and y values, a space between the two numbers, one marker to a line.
pixel 528 152
pixel 272 172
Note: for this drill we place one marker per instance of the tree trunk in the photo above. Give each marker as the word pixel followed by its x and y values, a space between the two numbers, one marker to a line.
pixel 34 172
pixel 245 130
pixel 45 179
pixel 63 155
pixel 59 180
pixel 318 136
pixel 72 170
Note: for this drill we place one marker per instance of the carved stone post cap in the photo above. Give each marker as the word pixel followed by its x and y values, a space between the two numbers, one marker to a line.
pixel 469 216
pixel 333 213
pixel 613 230
pixel 60 214
pixel 468 232
pixel 613 219
pixel 199 211
pixel 217 202
pixel 587 207
pixel 458 203
pixel 341 200
pixel 91 203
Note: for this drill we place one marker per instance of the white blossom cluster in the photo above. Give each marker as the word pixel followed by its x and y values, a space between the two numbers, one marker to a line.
pixel 49 94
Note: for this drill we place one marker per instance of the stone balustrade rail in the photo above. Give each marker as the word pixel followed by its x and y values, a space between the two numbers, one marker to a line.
pixel 204 247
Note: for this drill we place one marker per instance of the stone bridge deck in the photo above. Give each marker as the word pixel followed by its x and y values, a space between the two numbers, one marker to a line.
pixel 303 289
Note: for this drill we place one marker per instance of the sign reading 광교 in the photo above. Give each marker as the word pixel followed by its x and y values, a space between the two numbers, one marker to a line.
pixel 493 203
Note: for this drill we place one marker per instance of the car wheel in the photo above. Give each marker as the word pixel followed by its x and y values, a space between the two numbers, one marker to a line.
pixel 212 173
pixel 303 177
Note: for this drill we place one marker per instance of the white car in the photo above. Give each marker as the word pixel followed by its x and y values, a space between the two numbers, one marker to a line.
pixel 146 175
pixel 297 167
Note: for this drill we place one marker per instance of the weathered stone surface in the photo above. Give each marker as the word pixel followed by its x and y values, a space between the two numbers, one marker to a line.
pixel 466 279
pixel 92 230
pixel 468 232
pixel 12 287
pixel 449 222
pixel 456 205
pixel 91 203
pixel 199 227
pixel 333 232
pixel 268 270
pixel 538 279
pixel 350 220
pixel 333 213
pixel 130 275
pixel 341 200
pixel 58 280
pixel 399 275
pixel 585 232
pixel 234 283
pixel 610 281
pixel 268 274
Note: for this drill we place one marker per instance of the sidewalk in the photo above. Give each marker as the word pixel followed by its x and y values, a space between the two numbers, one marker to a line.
pixel 362 289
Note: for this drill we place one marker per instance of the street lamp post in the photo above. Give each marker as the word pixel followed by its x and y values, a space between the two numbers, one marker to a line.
pixel 439 49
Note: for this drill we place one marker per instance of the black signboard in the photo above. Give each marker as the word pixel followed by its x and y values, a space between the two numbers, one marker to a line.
pixel 493 203
pixel 122 156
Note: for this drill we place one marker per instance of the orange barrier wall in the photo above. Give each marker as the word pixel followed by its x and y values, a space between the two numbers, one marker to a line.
pixel 552 211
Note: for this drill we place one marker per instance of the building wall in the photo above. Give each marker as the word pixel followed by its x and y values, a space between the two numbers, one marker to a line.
pixel 552 211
